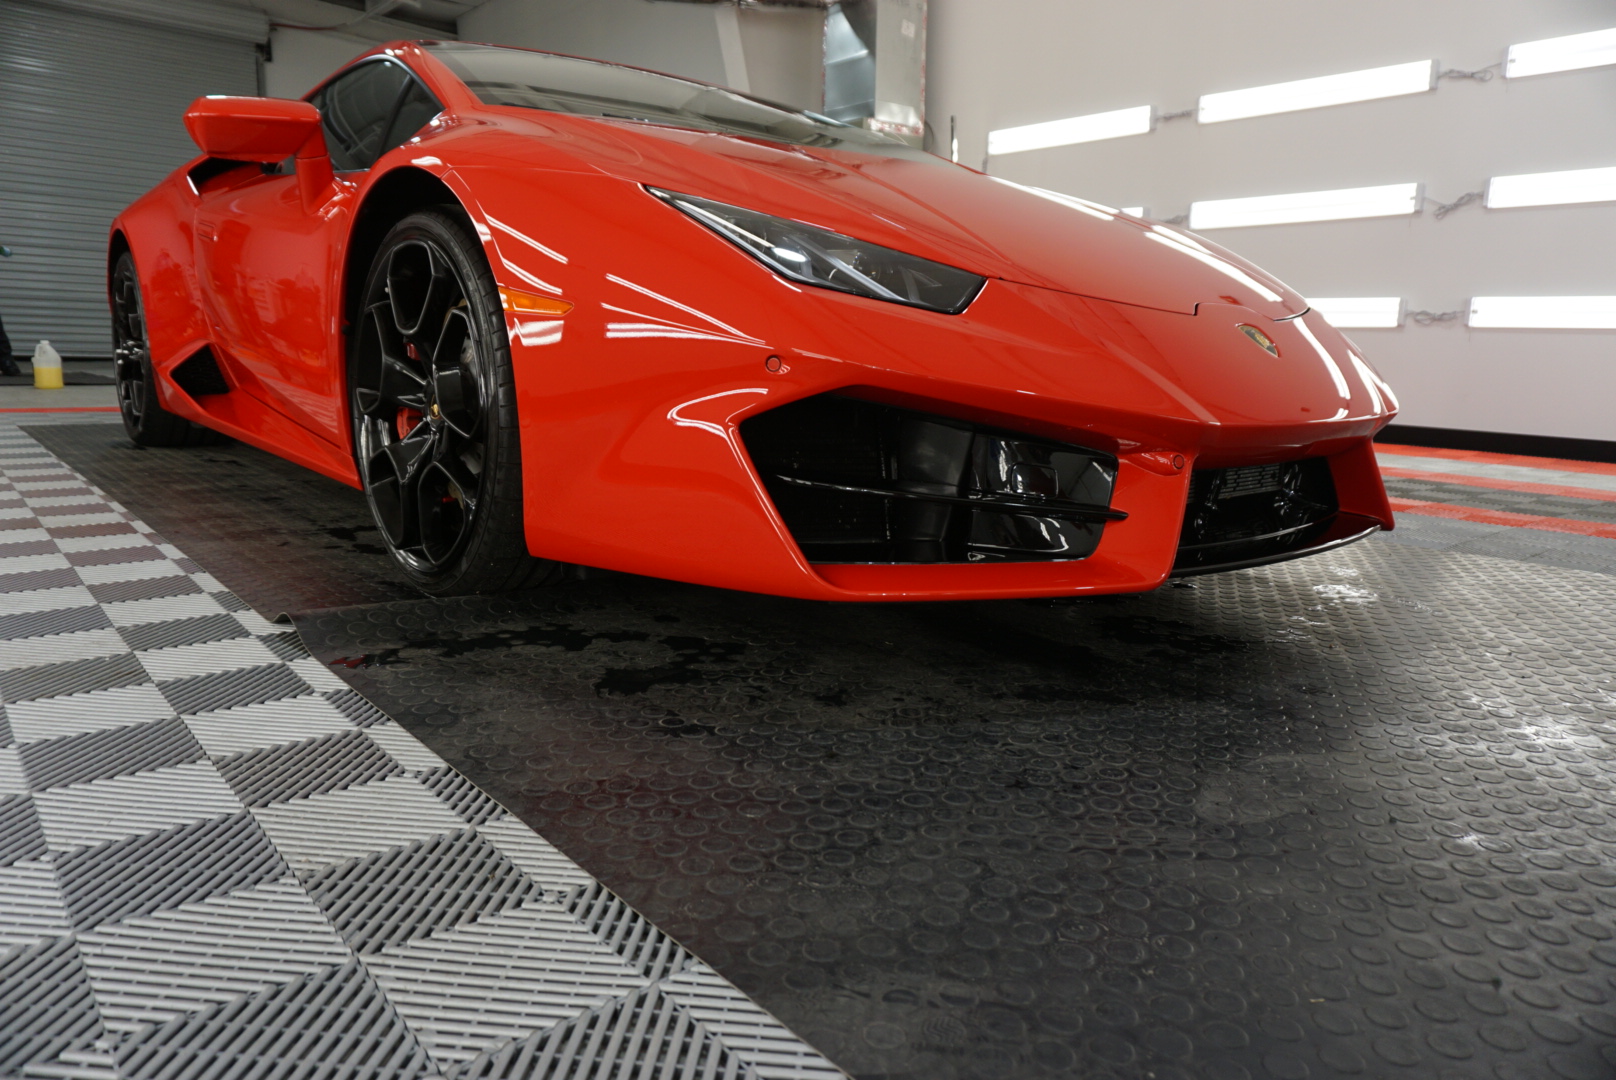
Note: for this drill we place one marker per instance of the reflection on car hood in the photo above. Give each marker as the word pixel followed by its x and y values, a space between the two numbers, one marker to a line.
pixel 921 204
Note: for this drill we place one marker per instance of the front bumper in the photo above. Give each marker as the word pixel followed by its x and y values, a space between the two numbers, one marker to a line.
pixel 635 460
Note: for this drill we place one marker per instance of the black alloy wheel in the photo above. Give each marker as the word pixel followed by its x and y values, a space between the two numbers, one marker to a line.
pixel 432 400
pixel 144 418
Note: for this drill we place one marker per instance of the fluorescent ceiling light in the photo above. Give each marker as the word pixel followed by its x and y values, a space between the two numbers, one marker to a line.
pixel 1544 312
pixel 1595 49
pixel 1134 211
pixel 1381 82
pixel 1552 188
pixel 1359 312
pixel 1076 129
pixel 1388 200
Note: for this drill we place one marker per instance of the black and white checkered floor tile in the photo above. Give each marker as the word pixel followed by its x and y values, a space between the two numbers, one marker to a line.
pixel 217 860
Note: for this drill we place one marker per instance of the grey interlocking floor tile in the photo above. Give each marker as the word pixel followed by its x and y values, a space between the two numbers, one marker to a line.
pixel 46 1005
pixel 559 876
pixel 414 891
pixel 333 1023
pixel 58 621
pixel 110 528
pixel 32 652
pixel 97 754
pixel 356 708
pixel 155 968
pixel 229 689
pixel 38 579
pixel 161 609
pixel 123 821
pixel 177 632
pixel 538 964
pixel 28 547
pixel 404 748
pixel 72 677
pixel 736 1022
pixel 21 603
pixel 150 569
pixel 627 933
pixel 114 556
pixel 31 906
pixel 230 601
pixel 646 1034
pixel 20 834
pixel 206 658
pixel 111 542
pixel 166 869
pixel 313 767
pixel 65 505
pixel 100 710
pixel 274 723
pixel 286 645
pixel 320 831
pixel 148 589
pixel 129 805
pixel 461 795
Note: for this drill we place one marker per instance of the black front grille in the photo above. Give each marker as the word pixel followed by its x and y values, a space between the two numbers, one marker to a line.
pixel 1249 513
pixel 859 482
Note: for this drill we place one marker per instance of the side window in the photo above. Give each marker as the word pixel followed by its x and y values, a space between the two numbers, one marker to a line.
pixel 357 110
pixel 414 110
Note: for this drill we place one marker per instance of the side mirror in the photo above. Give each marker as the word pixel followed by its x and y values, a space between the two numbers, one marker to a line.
pixel 251 128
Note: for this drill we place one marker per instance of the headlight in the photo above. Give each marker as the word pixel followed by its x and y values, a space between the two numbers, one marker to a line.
pixel 833 261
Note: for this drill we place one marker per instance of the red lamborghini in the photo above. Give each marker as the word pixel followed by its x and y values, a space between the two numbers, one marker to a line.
pixel 544 310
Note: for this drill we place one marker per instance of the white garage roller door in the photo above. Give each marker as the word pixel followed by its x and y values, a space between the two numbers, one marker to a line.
pixel 92 92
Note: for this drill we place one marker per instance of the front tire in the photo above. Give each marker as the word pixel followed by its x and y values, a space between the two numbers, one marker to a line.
pixel 144 418
pixel 433 404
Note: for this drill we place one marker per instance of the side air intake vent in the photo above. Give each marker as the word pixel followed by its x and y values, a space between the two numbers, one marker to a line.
pixel 1252 513
pixel 858 482
pixel 199 375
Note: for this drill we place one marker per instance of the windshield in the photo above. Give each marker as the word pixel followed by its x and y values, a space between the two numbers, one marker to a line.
pixel 537 80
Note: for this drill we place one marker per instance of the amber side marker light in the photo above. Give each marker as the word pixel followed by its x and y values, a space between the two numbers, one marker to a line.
pixel 526 303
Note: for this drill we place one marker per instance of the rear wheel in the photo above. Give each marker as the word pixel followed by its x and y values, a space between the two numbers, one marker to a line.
pixel 144 418
pixel 433 403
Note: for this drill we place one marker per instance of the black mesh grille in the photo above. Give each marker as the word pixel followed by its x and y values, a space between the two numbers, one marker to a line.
pixel 1249 513
pixel 857 481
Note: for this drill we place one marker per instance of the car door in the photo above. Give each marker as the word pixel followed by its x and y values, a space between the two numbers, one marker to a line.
pixel 272 265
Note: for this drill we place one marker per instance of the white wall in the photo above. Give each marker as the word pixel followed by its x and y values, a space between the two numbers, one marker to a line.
pixel 1016 62
pixel 681 39
pixel 774 53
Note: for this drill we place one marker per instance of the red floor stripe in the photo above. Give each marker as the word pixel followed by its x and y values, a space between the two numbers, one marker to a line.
pixel 73 408
pixel 1504 517
pixel 1500 485
pixel 1562 464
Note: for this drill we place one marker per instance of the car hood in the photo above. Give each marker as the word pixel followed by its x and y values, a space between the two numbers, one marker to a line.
pixel 927 207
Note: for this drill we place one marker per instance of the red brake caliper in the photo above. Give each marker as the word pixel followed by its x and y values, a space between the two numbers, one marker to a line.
pixel 406 420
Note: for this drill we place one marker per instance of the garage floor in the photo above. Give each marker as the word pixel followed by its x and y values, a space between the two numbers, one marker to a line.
pixel 1347 816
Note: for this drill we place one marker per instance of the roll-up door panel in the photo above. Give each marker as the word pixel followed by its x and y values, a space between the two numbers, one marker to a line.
pixel 92 119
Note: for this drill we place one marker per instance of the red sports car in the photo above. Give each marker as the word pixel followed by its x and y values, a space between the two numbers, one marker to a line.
pixel 544 310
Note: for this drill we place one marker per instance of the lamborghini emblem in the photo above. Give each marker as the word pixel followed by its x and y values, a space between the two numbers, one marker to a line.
pixel 1262 340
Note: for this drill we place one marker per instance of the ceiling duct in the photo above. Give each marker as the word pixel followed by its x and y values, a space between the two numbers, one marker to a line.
pixel 875 65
